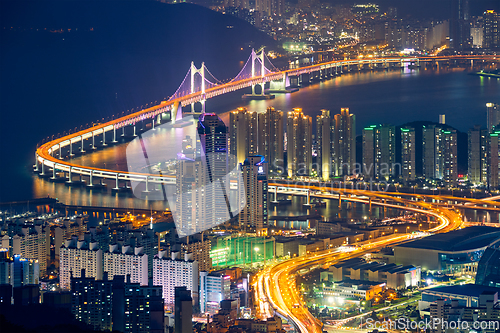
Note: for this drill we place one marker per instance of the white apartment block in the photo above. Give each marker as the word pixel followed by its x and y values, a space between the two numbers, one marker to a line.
pixel 126 260
pixel 33 243
pixel 76 255
pixel 173 272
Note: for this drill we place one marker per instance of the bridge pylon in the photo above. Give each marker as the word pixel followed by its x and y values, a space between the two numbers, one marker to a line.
pixel 259 55
pixel 200 71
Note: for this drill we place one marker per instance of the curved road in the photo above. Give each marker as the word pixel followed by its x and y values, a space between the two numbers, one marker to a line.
pixel 276 285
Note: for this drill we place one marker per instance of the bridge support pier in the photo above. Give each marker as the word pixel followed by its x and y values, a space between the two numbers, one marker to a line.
pixel 71 148
pixel 36 161
pixel 70 176
pixel 275 194
pixel 103 138
pixel 93 140
pixel 114 135
pixel 147 185
pixel 60 157
pixel 176 109
pixel 134 130
pixel 43 169
pixel 53 172
pixel 308 202
pixel 81 145
pixel 116 188
pixel 280 86
pixel 91 182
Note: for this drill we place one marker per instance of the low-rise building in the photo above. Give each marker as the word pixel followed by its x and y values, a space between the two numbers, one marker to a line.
pixel 395 276
pixel 353 289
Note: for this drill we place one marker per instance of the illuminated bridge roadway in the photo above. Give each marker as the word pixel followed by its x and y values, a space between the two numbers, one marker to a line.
pixel 198 86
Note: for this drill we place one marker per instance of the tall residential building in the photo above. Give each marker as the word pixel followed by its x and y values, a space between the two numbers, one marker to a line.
pixel 214 288
pixel 459 24
pixel 183 310
pixel 440 154
pixel 492 115
pixel 18 277
pixel 432 152
pixel 197 247
pixel 76 255
pixel 69 227
pixel 450 172
pixel 491 29
pixel 144 307
pixel 243 133
pixel 126 260
pixel 91 300
pixel 117 305
pixel 493 160
pixel 325 134
pixel 23 271
pixel 191 178
pixel 408 168
pixel 254 215
pixel 270 143
pixel 174 272
pixel 368 152
pixel 477 35
pixel 299 143
pixel 143 237
pixel 270 7
pixel 345 143
pixel 237 3
pixel 214 205
pixel 439 311
pixel 478 155
pixel 379 151
pixel 4 266
pixel 252 133
pixel 31 243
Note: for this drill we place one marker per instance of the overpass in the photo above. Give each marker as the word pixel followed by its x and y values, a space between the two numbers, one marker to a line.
pixel 198 86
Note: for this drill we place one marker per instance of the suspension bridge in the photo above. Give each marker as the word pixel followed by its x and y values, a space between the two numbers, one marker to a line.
pixel 198 85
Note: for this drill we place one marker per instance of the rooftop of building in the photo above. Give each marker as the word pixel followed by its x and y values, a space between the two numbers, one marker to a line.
pixel 470 238
pixel 360 284
pixel 472 290
pixel 360 264
pixel 283 239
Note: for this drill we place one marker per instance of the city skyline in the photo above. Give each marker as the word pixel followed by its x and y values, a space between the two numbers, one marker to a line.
pixel 250 166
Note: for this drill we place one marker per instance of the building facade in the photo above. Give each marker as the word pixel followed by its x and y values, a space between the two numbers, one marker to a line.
pixel 174 272
pixel 126 260
pixel 408 166
pixel 299 144
pixel 214 288
pixel 271 139
pixel 76 256
pixel 345 139
pixel 325 133
pixel 478 155
pixel 254 215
